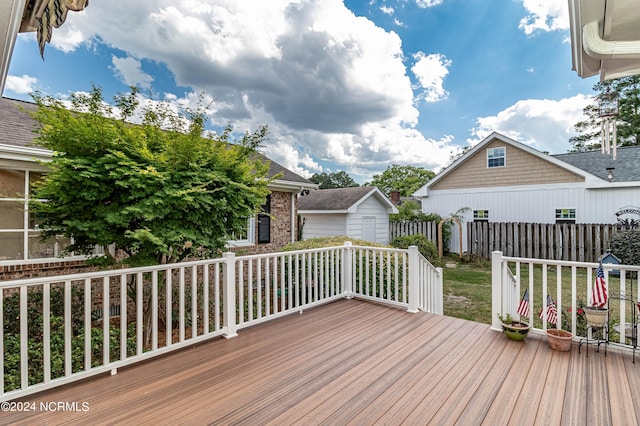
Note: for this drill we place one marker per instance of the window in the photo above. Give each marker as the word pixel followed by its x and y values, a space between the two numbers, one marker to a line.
pixel 481 215
pixel 19 234
pixel 496 157
pixel 565 215
pixel 247 237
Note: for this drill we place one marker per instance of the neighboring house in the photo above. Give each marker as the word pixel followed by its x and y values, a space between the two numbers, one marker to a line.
pixel 19 167
pixel 501 180
pixel 361 212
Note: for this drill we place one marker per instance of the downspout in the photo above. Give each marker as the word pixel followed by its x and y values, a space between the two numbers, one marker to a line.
pixel 293 217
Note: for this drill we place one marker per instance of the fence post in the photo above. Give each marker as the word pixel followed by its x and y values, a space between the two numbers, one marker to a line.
pixel 347 261
pixel 229 306
pixel 496 289
pixel 414 276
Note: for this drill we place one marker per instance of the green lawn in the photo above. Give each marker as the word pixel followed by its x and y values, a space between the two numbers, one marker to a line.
pixel 467 290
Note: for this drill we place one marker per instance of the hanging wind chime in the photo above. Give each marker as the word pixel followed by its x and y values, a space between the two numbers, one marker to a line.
pixel 608 108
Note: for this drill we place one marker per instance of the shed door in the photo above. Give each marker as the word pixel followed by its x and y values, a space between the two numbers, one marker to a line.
pixel 369 229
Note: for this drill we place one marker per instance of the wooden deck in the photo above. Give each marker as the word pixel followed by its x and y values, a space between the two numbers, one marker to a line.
pixel 354 362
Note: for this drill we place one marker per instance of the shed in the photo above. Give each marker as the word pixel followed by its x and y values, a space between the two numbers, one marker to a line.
pixel 361 212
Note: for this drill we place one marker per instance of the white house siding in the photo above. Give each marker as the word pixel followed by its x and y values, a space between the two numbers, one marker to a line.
pixel 532 204
pixel 323 225
pixel 369 208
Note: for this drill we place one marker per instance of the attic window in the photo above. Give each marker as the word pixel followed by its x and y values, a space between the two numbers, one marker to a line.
pixel 496 157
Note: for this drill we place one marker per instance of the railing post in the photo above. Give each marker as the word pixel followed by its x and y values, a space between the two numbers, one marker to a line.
pixel 414 276
pixel 496 289
pixel 439 298
pixel 229 306
pixel 347 261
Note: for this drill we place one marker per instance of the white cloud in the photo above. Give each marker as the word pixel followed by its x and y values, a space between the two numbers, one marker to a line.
pixel 544 15
pixel 387 10
pixel 428 3
pixel 21 84
pixel 430 70
pixel 543 124
pixel 129 71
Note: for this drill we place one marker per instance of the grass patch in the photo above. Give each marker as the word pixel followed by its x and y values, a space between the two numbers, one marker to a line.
pixel 467 291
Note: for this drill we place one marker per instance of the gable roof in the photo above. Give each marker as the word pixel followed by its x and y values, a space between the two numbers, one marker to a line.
pixel 341 200
pixel 17 133
pixel 495 136
pixel 626 166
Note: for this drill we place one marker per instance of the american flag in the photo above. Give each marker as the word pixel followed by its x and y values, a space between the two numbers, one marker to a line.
pixel 599 293
pixel 552 311
pixel 523 307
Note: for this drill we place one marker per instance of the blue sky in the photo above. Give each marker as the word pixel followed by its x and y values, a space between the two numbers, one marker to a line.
pixel 343 85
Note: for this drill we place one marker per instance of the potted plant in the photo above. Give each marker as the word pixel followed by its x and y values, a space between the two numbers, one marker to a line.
pixel 559 339
pixel 596 317
pixel 514 329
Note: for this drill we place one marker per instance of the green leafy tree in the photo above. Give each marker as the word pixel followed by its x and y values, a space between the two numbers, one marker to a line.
pixel 406 179
pixel 333 180
pixel 627 121
pixel 160 191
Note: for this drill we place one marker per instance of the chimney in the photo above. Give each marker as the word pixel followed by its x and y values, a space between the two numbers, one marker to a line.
pixel 395 196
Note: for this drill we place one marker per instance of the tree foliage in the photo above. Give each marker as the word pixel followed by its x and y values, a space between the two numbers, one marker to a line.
pixel 406 179
pixel 627 120
pixel 160 191
pixel 333 180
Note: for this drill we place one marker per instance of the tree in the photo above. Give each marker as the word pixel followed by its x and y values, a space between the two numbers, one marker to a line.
pixel 628 119
pixel 333 180
pixel 406 179
pixel 160 191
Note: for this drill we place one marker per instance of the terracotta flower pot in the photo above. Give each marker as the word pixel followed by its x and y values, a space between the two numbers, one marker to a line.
pixel 559 340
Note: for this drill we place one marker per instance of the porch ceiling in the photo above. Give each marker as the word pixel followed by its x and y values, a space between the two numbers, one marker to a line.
pixel 605 37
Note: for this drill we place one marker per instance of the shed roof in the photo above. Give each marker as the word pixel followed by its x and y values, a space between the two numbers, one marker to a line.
pixel 341 199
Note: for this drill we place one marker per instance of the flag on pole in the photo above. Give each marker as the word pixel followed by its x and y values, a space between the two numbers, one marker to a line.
pixel 523 307
pixel 552 311
pixel 599 293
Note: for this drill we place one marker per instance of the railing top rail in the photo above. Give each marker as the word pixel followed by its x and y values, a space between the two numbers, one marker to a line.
pixel 105 273
pixel 146 269
pixel 570 263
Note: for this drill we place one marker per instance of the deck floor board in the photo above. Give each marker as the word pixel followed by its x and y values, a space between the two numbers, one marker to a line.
pixel 359 363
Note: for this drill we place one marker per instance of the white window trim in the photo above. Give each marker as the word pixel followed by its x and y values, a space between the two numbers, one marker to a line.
pixel 251 236
pixel 476 217
pixel 504 157
pixel 561 217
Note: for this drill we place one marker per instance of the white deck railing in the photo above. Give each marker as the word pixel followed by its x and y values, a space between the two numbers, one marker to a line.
pixel 569 284
pixel 138 313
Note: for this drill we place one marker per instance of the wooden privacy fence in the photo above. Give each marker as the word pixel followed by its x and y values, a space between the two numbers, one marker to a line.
pixel 401 228
pixel 568 242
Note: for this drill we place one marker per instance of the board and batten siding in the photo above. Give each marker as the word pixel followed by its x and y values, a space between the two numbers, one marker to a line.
pixel 521 168
pixel 369 208
pixel 324 225
pixel 532 204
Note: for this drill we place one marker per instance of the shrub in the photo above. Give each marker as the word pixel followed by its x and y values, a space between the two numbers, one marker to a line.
pixel 425 246
pixel 334 241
